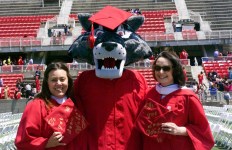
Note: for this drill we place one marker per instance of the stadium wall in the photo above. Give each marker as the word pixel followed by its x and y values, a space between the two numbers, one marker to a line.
pixel 14 106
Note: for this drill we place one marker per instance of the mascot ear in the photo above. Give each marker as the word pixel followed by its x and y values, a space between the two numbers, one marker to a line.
pixel 84 21
pixel 135 22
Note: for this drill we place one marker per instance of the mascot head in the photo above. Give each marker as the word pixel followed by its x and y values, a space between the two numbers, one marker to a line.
pixel 110 41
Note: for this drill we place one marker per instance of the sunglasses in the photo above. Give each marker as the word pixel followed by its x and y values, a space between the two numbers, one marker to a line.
pixel 164 68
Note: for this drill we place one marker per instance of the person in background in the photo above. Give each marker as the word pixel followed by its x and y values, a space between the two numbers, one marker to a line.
pixel 6 92
pixel 200 77
pixel 35 131
pixel 1 62
pixel 17 94
pixel 4 62
pixel 230 72
pixel 9 61
pixel 30 62
pixel 1 82
pixel 28 90
pixel 183 54
pixel 37 84
pixel 38 72
pixel 168 119
pixel 216 53
pixel 20 60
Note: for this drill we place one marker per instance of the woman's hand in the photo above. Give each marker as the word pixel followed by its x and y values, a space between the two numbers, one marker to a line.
pixel 55 140
pixel 172 128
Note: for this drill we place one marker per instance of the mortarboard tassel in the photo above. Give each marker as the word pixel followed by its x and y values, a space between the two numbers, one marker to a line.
pixel 91 37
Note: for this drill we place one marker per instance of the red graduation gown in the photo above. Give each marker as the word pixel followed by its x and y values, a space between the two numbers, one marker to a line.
pixel 110 107
pixel 34 132
pixel 183 108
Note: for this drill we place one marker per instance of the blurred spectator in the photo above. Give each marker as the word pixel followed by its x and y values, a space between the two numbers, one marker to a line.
pixel 216 53
pixel 37 84
pixel 1 82
pixel 1 62
pixel 230 72
pixel 174 26
pixel 4 62
pixel 65 29
pixel 70 29
pixel 9 61
pixel 19 85
pixel 200 77
pixel 6 92
pixel 37 73
pixel 18 94
pixel 195 61
pixel 227 97
pixel 20 60
pixel 30 61
pixel 183 54
pixel 213 92
pixel 28 90
pixel 214 74
pixel 25 61
pixel 201 91
pixel 210 75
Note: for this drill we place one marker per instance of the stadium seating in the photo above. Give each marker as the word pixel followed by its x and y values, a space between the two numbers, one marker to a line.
pixel 221 67
pixel 189 34
pixel 154 21
pixel 21 26
pixel 10 81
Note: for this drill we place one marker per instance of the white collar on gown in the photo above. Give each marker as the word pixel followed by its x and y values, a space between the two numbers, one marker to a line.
pixel 59 100
pixel 165 90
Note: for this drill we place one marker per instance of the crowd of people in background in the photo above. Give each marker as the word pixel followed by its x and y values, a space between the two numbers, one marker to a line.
pixel 16 61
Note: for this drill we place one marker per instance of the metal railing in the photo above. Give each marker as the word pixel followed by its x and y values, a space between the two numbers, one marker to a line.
pixel 219 58
pixel 152 36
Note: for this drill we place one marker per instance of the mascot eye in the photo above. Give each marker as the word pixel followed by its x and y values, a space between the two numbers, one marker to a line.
pixel 121 33
pixel 99 32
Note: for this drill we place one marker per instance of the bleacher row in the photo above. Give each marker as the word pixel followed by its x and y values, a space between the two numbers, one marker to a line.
pixel 221 67
pixel 154 21
pixel 12 26
pixel 148 75
pixel 220 119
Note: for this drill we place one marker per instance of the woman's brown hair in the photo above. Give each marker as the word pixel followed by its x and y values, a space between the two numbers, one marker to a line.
pixel 45 93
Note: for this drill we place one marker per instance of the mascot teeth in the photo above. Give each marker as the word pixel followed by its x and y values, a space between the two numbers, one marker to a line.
pixel 109 63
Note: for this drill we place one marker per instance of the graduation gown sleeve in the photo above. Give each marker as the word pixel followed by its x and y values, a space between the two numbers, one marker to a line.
pixel 30 134
pixel 198 127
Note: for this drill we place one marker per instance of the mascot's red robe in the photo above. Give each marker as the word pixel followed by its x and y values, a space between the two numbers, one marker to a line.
pixel 110 107
pixel 184 109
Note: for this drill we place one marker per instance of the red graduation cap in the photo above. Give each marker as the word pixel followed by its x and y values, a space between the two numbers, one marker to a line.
pixel 110 17
pixel 68 120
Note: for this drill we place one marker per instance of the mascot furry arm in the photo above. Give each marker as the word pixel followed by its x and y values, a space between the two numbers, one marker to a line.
pixel 109 96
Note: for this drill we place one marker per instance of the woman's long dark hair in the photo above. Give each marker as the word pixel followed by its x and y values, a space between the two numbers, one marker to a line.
pixel 45 93
pixel 177 73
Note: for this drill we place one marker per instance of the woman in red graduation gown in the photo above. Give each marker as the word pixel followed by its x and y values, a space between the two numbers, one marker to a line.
pixel 172 117
pixel 37 133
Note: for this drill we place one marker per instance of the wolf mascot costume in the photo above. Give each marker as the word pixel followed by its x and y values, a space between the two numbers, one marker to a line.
pixel 109 95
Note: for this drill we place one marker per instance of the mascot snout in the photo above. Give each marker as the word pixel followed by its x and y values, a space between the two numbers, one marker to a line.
pixel 109 46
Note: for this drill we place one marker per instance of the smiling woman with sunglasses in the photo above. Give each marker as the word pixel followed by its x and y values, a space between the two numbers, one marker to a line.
pixel 172 117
